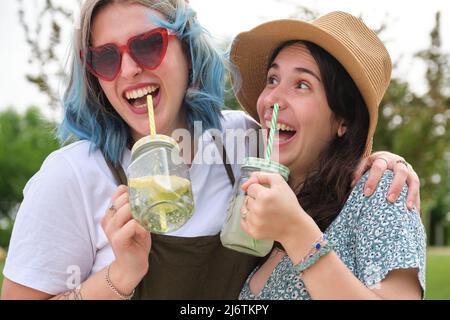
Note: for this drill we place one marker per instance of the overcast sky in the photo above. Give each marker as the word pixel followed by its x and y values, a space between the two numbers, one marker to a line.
pixel 409 24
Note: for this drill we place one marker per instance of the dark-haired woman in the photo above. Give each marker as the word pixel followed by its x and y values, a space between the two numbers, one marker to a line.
pixel 328 78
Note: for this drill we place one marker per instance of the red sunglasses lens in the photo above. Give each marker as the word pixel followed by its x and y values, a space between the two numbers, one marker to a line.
pixel 104 61
pixel 148 49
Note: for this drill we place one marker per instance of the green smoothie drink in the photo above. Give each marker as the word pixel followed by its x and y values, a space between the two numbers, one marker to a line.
pixel 232 235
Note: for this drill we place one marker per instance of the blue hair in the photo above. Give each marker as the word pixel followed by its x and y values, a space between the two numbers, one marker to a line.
pixel 88 115
pixel 205 96
pixel 85 119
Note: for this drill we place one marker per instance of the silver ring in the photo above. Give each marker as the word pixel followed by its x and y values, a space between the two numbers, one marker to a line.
pixel 244 213
pixel 112 208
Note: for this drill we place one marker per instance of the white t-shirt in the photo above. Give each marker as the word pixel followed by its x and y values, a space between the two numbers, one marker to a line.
pixel 57 239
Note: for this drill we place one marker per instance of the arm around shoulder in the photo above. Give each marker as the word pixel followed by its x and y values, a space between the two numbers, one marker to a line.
pixel 390 245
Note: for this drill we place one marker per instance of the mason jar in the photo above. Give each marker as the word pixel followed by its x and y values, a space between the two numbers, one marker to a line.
pixel 159 186
pixel 232 235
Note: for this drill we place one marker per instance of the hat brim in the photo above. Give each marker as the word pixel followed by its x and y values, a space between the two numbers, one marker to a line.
pixel 251 51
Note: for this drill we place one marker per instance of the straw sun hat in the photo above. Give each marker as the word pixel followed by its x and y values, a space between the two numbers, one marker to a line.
pixel 344 36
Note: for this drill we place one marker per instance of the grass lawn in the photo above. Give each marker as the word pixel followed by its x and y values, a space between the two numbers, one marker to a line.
pixel 438 274
pixel 2 263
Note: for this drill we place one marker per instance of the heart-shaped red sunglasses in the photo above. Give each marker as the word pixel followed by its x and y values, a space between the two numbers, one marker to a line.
pixel 147 50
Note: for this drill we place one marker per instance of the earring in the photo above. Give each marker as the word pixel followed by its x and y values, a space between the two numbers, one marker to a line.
pixel 340 134
pixel 341 131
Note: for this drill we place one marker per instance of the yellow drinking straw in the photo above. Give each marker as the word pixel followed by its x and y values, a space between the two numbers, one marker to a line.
pixel 151 121
pixel 151 115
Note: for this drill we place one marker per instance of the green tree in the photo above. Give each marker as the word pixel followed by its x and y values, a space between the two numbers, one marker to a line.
pixel 416 127
pixel 25 141
pixel 229 98
pixel 437 103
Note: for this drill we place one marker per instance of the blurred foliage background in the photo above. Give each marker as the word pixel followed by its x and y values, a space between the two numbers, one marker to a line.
pixel 413 126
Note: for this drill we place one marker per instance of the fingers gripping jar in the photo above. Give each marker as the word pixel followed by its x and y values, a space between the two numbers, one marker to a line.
pixel 159 186
pixel 232 235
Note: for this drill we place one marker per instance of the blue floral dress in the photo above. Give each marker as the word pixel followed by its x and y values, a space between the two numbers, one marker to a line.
pixel 372 237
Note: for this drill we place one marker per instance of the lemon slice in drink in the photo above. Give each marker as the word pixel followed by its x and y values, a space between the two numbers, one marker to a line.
pixel 162 188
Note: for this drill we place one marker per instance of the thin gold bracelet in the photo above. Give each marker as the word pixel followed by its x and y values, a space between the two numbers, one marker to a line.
pixel 114 289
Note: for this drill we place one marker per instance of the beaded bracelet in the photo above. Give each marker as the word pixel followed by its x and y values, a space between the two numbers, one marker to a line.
pixel 320 248
pixel 316 246
pixel 114 289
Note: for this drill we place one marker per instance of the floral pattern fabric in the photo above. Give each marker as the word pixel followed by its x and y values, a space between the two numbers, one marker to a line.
pixel 372 237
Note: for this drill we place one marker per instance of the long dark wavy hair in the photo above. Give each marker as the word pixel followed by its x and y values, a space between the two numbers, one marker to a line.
pixel 324 191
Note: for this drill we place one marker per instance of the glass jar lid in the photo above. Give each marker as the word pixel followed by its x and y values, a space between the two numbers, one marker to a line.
pixel 266 165
pixel 150 142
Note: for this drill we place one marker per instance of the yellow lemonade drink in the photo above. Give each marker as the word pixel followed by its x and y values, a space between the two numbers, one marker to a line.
pixel 161 203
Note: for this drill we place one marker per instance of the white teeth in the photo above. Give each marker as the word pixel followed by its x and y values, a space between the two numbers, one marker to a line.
pixel 138 93
pixel 280 126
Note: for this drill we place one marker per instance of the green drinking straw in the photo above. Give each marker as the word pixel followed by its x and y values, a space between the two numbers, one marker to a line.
pixel 273 128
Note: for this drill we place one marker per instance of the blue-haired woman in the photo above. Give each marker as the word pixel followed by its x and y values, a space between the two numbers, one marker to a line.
pixel 68 241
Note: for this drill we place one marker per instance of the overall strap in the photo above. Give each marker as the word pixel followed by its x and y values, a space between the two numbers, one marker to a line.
pixel 192 267
pixel 226 162
pixel 117 171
